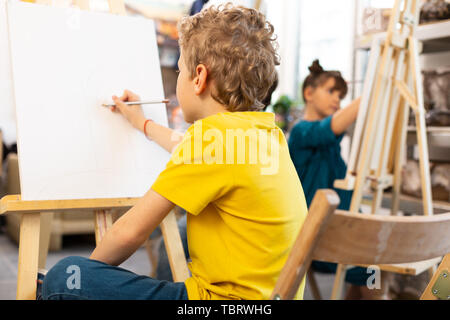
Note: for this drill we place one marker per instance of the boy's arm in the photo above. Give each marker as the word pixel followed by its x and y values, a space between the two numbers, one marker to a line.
pixel 165 137
pixel 130 231
pixel 343 118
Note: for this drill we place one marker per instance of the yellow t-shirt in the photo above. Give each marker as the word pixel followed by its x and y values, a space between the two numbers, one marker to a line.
pixel 233 174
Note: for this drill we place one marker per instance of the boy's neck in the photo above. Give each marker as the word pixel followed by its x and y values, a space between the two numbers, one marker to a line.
pixel 210 108
pixel 311 114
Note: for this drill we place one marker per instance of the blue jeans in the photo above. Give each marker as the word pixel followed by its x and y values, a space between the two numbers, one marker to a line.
pixel 163 269
pixel 79 278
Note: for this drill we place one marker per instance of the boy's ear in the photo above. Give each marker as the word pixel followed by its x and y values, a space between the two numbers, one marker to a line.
pixel 200 79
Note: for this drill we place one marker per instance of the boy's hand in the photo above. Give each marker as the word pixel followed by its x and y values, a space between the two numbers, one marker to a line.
pixel 133 114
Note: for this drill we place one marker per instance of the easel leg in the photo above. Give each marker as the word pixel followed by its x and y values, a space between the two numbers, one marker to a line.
pixel 313 284
pixel 376 202
pixel 103 221
pixel 399 157
pixel 422 136
pixel 44 238
pixel 150 245
pixel 174 248
pixel 28 256
pixel 336 294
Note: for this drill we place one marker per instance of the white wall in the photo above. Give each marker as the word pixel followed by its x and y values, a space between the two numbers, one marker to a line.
pixel 327 34
pixel 285 18
pixel 284 15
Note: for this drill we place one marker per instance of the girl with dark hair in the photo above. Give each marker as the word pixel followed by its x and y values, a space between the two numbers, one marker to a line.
pixel 314 145
pixel 315 141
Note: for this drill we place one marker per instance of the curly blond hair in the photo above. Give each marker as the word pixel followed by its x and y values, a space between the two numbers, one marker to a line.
pixel 239 49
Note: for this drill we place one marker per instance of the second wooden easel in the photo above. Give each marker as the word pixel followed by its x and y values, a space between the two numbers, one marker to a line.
pixel 392 85
pixel 35 218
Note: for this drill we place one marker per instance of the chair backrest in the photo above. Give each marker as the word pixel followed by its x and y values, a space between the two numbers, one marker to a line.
pixel 354 239
pixel 374 239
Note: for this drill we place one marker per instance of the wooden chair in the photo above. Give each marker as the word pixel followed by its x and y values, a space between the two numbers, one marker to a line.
pixel 441 276
pixel 358 239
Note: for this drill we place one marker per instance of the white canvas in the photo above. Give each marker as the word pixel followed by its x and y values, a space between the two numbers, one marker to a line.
pixel 7 112
pixel 65 63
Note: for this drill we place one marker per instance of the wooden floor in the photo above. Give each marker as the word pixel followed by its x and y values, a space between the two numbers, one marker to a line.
pixel 72 246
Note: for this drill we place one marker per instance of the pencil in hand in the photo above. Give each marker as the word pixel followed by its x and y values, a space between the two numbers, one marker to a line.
pixel 138 102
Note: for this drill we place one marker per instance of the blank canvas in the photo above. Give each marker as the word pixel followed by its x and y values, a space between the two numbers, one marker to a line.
pixel 7 112
pixel 65 63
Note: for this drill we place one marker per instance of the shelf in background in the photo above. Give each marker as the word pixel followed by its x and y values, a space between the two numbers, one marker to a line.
pixel 435 37
pixel 437 136
pixel 410 204
pixel 165 10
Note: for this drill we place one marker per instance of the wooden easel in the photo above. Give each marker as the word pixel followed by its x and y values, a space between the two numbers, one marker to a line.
pixel 257 4
pixel 35 217
pixel 393 82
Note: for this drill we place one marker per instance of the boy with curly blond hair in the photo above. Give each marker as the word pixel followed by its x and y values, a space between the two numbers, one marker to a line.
pixel 231 172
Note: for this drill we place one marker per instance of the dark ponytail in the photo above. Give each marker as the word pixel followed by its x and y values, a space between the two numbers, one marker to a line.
pixel 316 68
pixel 318 76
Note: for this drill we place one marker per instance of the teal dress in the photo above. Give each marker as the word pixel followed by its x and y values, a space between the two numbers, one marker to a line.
pixel 316 153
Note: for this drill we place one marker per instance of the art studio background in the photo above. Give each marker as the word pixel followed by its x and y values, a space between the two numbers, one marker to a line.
pixel 338 33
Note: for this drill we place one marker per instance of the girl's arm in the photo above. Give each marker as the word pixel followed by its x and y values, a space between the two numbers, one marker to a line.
pixel 165 137
pixel 130 231
pixel 343 118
